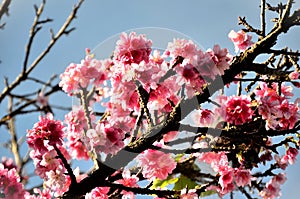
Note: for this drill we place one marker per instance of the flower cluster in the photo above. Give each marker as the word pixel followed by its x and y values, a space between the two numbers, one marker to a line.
pixel 78 76
pixel 272 189
pixel 10 185
pixel 278 112
pixel 228 176
pixel 156 164
pixel 46 139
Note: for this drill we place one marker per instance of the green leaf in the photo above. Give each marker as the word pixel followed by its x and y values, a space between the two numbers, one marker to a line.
pixel 208 193
pixel 163 183
pixel 184 182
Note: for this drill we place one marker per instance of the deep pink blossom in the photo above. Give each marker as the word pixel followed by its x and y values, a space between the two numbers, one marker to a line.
pixel 47 132
pixel 240 39
pixel 237 109
pixel 294 75
pixel 156 164
pixel 272 189
pixel 290 156
pixel 132 48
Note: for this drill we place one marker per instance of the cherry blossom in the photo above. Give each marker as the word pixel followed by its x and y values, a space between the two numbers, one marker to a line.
pixel 10 185
pixel 99 193
pixel 236 109
pixel 240 39
pixel 132 48
pixel 47 132
pixel 156 164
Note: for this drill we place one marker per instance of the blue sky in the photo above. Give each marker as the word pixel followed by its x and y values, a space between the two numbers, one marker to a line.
pixel 206 22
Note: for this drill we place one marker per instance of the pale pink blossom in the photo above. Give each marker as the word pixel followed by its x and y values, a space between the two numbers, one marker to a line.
pixel 203 117
pixel 294 75
pixel 221 58
pixel 42 99
pixel 50 160
pixel 240 39
pixel 132 48
pixel 156 164
pixel 182 47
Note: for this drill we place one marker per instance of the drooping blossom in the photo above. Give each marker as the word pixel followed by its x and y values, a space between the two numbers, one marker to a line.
pixel 221 58
pixel 294 75
pixel 132 48
pixel 156 164
pixel 242 177
pixel 272 189
pixel 290 156
pixel 98 192
pixel 47 132
pixel 240 39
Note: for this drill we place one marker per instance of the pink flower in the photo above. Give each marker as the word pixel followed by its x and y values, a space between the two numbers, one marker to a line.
pixel 240 39
pixel 47 132
pixel 290 156
pixel 128 181
pixel 218 161
pixel 221 58
pixel 242 177
pixel 98 193
pixel 237 109
pixel 226 178
pixel 191 194
pixel 105 138
pixel 50 160
pixel 182 47
pixel 82 74
pixel 294 75
pixel 203 117
pixel 10 185
pixel 132 48
pixel 42 99
pixel 156 164
pixel 272 189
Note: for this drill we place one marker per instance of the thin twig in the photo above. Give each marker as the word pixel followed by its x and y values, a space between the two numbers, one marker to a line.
pixel 63 30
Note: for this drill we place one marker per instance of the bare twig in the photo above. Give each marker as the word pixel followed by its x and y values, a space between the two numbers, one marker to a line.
pixel 63 30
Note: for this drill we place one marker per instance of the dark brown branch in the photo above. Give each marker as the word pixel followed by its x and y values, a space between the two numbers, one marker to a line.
pixel 248 27
pixel 67 166
pixel 263 17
